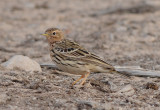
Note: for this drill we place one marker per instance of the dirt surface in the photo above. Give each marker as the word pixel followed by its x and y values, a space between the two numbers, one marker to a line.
pixel 122 32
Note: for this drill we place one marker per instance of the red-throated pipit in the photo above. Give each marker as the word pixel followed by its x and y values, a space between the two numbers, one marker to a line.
pixel 72 58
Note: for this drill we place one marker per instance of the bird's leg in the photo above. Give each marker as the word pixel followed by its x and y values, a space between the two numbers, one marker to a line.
pixel 85 77
pixel 78 79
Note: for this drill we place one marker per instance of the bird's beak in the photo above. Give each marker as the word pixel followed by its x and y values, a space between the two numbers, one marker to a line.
pixel 45 35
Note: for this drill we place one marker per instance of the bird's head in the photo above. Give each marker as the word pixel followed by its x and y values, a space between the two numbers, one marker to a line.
pixel 54 35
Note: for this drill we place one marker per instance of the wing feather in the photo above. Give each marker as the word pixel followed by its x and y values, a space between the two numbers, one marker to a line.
pixel 73 51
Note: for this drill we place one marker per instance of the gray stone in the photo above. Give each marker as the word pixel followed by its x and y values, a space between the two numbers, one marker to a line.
pixel 3 98
pixel 127 90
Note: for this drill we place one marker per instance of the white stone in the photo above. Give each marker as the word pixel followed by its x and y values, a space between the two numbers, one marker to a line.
pixel 23 63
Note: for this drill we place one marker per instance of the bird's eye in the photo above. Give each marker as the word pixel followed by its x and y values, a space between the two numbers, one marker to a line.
pixel 54 33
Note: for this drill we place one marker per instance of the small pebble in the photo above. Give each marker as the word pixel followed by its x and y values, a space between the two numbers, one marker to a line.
pixel 152 86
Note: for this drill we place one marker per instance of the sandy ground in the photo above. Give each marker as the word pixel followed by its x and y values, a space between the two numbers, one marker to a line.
pixel 122 32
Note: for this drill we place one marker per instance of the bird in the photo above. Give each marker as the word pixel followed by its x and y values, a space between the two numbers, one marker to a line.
pixel 72 58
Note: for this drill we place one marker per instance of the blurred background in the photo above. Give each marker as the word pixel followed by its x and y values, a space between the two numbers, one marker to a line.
pixel 123 32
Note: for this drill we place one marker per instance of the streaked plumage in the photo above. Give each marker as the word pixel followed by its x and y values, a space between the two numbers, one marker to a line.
pixel 72 58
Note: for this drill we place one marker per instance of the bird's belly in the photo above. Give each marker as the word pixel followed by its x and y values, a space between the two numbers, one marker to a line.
pixel 81 69
pixel 96 68
pixel 72 67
